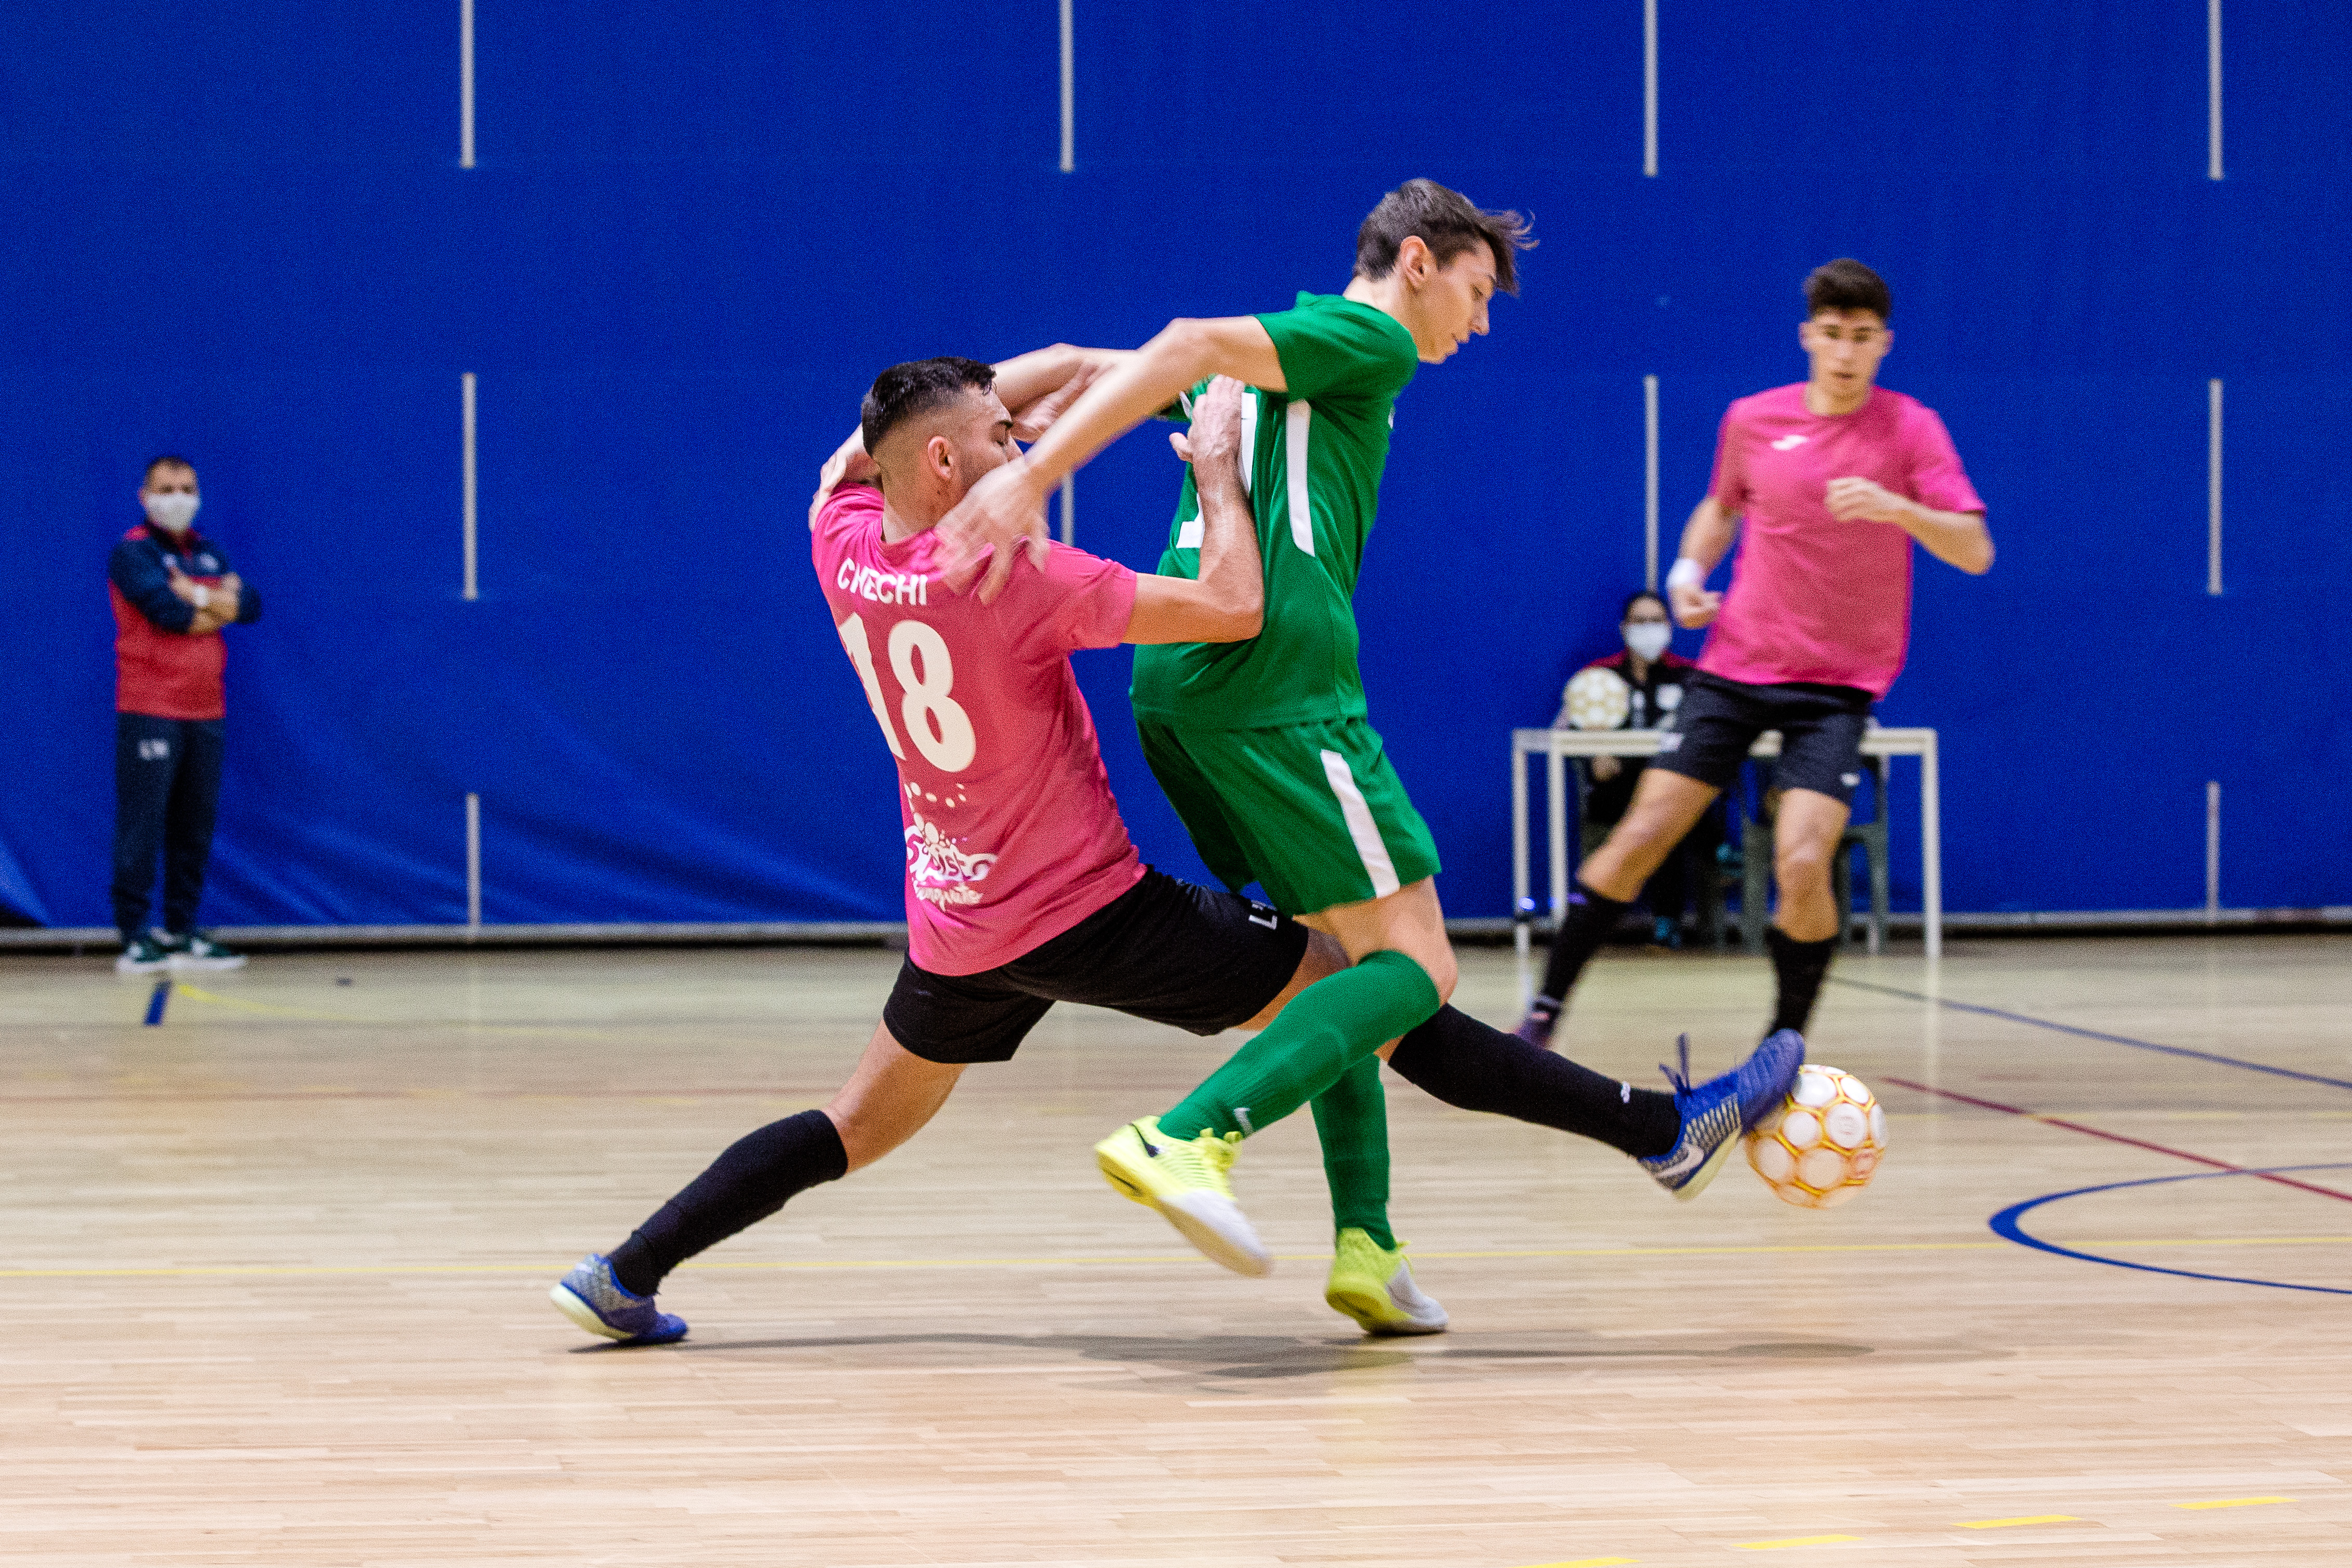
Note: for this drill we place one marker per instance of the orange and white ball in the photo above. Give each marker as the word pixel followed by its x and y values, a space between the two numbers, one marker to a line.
pixel 1824 1142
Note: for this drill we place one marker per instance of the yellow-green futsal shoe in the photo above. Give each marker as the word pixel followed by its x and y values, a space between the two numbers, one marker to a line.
pixel 1374 1285
pixel 1185 1181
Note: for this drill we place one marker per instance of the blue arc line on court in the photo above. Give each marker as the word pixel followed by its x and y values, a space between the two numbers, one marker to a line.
pixel 2030 1020
pixel 2007 1227
pixel 155 1003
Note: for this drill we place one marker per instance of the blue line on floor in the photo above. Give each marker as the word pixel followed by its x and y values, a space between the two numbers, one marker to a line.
pixel 2028 1019
pixel 2006 1224
pixel 155 1003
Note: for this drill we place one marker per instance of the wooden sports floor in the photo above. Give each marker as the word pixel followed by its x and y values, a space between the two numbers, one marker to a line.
pixel 277 1269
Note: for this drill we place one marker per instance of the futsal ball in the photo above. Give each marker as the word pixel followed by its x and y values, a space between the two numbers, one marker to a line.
pixel 1598 699
pixel 1824 1143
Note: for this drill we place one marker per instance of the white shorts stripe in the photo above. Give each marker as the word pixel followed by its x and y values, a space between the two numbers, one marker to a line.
pixel 1294 425
pixel 1250 397
pixel 1373 853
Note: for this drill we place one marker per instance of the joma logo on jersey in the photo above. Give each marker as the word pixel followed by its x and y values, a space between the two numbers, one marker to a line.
pixel 883 587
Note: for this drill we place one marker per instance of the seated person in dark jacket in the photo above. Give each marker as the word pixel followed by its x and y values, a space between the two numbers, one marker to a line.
pixel 1654 676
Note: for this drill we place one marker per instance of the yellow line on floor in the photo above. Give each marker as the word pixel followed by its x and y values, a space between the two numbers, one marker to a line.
pixel 239 1270
pixel 2235 1502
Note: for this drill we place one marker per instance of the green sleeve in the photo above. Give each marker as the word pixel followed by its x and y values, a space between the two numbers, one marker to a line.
pixel 1349 352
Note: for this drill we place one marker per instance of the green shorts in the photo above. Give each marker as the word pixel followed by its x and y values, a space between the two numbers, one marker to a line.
pixel 1312 813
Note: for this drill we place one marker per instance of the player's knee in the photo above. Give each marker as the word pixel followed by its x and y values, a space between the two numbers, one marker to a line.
pixel 1443 971
pixel 1802 864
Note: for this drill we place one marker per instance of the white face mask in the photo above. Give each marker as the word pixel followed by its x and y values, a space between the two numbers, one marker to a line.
pixel 1648 639
pixel 173 509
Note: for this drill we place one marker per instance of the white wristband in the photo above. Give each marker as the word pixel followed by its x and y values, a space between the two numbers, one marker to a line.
pixel 1685 574
pixel 203 597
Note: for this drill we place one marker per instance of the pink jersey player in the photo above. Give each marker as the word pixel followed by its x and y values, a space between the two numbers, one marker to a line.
pixel 1816 598
pixel 1826 485
pixel 1012 833
pixel 1022 889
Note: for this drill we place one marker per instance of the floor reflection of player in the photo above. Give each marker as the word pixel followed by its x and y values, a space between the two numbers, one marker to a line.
pixel 1828 482
pixel 1022 885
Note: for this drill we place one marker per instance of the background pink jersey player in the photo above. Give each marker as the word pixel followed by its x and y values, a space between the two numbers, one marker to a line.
pixel 1012 833
pixel 1815 596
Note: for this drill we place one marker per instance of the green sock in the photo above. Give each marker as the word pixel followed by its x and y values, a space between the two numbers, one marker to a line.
pixel 1334 1023
pixel 1351 1117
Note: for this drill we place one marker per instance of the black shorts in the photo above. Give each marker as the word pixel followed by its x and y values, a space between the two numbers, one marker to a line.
pixel 1199 958
pixel 1820 733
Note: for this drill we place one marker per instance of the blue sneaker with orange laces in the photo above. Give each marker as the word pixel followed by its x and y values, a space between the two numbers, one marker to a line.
pixel 1717 1113
pixel 599 1303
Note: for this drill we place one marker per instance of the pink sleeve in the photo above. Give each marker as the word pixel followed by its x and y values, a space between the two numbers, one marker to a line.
pixel 848 505
pixel 1729 483
pixel 1080 601
pixel 1937 477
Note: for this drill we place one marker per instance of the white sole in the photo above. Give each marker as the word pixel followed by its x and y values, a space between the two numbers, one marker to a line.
pixel 1365 1313
pixel 583 1314
pixel 205 963
pixel 1708 1172
pixel 1217 1226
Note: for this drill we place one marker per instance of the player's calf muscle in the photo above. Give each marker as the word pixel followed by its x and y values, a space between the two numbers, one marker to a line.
pixel 892 1096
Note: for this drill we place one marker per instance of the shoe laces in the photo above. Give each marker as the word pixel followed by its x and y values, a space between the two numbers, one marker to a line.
pixel 1218 1153
pixel 1680 1080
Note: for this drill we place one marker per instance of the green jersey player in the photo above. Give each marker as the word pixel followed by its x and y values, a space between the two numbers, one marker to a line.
pixel 1264 749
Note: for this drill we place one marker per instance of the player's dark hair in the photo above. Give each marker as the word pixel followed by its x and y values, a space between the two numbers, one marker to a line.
pixel 1448 223
pixel 1846 284
pixel 906 391
pixel 1636 597
pixel 168 460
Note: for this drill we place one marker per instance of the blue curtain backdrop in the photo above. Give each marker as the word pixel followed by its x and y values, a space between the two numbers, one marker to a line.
pixel 242 234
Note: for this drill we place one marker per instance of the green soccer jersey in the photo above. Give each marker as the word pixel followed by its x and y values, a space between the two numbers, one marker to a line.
pixel 1316 454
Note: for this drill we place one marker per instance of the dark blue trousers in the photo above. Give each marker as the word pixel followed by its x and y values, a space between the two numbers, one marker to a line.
pixel 167 774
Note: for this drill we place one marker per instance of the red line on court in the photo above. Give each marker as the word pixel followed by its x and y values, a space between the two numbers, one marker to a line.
pixel 2117 1137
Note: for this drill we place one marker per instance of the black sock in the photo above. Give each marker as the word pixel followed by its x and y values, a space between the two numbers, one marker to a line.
pixel 743 1186
pixel 1591 921
pixel 1800 966
pixel 1461 1061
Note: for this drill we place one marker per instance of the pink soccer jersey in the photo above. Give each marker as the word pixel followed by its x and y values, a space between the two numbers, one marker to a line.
pixel 1012 835
pixel 1811 598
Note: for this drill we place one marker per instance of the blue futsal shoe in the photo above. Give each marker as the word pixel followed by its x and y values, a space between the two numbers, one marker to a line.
pixel 1717 1112
pixel 593 1298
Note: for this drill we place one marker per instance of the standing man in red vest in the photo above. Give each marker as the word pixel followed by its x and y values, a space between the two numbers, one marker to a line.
pixel 173 592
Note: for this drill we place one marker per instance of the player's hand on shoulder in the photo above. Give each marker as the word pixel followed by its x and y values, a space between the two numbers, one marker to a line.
pixel 1855 499
pixel 1693 605
pixel 1006 509
pixel 1216 437
pixel 849 465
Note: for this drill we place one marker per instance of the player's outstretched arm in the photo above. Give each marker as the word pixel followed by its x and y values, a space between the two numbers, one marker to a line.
pixel 1039 386
pixel 1228 603
pixel 1009 504
pixel 1036 387
pixel 1707 539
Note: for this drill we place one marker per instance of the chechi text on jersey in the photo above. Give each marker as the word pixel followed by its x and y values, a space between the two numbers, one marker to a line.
pixel 883 587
